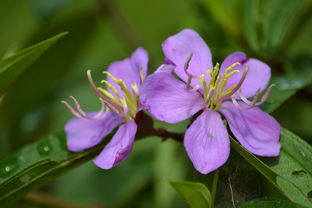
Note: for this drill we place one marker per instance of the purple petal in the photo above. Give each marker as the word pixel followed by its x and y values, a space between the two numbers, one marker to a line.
pixel 256 130
pixel 207 142
pixel 139 59
pixel 82 134
pixel 167 98
pixel 258 76
pixel 119 147
pixel 178 48
pixel 129 69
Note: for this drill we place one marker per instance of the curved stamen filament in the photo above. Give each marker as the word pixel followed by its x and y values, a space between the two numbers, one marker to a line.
pixel 228 95
pixel 245 100
pixel 254 102
pixel 129 103
pixel 109 103
pixel 80 113
pixel 142 74
pixel 111 87
pixel 214 91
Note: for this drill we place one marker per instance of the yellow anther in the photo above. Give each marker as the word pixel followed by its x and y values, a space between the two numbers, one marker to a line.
pixel 111 87
pixel 110 96
pixel 204 83
pixel 112 77
pixel 228 75
pixel 121 84
pixel 209 71
pixel 231 67
pixel 215 71
pixel 228 90
pixel 135 89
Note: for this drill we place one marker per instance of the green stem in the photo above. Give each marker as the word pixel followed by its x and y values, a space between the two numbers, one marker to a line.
pixel 213 188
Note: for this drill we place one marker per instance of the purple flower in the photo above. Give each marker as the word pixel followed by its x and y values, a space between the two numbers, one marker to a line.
pixel 121 98
pixel 207 89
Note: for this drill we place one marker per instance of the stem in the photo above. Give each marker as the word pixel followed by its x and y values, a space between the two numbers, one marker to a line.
pixel 164 134
pixel 214 187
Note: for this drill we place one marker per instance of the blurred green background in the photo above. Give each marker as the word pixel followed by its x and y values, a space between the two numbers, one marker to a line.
pixel 278 32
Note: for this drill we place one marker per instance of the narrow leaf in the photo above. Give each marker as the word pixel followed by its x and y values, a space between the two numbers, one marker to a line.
pixel 38 163
pixel 298 77
pixel 12 65
pixel 290 172
pixel 196 195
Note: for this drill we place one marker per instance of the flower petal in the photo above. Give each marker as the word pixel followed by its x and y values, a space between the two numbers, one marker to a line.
pixel 256 130
pixel 207 142
pixel 129 69
pixel 82 133
pixel 139 59
pixel 178 48
pixel 258 75
pixel 119 147
pixel 167 98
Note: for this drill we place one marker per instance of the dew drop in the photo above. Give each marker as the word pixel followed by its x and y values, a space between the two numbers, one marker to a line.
pixel 44 147
pixel 8 167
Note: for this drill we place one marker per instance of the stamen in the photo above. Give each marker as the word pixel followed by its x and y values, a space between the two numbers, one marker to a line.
pixel 101 112
pixel 108 102
pixel 245 100
pixel 237 105
pixel 142 76
pixel 76 114
pixel 266 94
pixel 231 67
pixel 187 63
pixel 206 100
pixel 77 105
pixel 111 87
pixel 194 89
pixel 135 89
pixel 204 83
pixel 124 105
pixel 121 84
pixel 235 88
pixel 109 95
pixel 186 66
pixel 254 102
pixel 81 114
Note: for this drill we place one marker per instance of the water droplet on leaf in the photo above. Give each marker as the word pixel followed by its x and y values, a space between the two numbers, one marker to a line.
pixel 44 147
pixel 8 167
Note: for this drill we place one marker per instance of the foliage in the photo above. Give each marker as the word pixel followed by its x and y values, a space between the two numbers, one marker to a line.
pixel 40 66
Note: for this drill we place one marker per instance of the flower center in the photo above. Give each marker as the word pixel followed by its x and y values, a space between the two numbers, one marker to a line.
pixel 126 104
pixel 214 92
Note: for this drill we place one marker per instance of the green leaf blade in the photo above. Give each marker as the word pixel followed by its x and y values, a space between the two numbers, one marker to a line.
pixel 13 65
pixel 290 172
pixel 272 203
pixel 196 195
pixel 38 163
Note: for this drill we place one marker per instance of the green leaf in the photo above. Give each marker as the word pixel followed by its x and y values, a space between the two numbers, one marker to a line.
pixel 290 172
pixel 222 11
pixel 272 203
pixel 299 76
pixel 36 164
pixel 12 65
pixel 196 195
pixel 266 23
